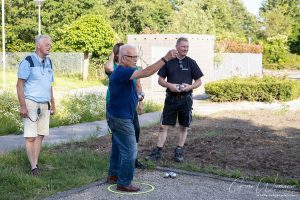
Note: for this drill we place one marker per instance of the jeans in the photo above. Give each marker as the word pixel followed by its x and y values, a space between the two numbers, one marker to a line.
pixel 123 150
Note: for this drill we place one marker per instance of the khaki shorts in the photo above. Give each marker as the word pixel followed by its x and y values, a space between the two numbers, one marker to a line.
pixel 40 123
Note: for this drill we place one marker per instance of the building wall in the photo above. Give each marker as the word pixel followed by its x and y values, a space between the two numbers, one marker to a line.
pixel 151 47
pixel 237 64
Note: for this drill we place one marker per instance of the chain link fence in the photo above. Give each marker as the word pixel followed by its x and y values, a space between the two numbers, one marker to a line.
pixel 63 63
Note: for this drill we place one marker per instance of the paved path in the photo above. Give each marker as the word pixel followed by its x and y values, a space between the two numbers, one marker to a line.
pixel 72 132
pixel 191 186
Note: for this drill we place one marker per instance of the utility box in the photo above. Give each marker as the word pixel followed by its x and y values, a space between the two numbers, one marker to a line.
pixel 151 47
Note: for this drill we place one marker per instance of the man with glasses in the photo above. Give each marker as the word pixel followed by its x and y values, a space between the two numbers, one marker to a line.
pixel 35 95
pixel 180 73
pixel 120 115
pixel 110 66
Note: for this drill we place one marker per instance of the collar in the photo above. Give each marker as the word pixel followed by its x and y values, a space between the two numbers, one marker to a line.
pixel 39 58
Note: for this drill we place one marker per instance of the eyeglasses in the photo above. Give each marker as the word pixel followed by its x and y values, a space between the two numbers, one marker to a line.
pixel 132 57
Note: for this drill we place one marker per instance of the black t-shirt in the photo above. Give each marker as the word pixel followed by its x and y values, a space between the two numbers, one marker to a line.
pixel 180 71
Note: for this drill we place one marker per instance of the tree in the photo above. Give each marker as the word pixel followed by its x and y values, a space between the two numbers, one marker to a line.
pixel 90 34
pixel 21 20
pixel 283 17
pixel 191 18
pixel 132 17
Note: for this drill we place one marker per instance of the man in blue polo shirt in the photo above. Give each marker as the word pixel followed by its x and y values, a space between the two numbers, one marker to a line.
pixel 35 96
pixel 120 115
pixel 109 67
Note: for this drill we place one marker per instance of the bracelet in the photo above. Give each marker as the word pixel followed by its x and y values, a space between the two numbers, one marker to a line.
pixel 164 59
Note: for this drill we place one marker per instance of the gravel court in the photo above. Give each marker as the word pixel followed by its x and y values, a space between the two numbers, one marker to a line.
pixel 191 186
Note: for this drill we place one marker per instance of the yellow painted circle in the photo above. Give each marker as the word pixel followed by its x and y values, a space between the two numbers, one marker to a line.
pixel 130 193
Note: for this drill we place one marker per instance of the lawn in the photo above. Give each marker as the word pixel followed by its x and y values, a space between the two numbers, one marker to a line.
pixel 61 84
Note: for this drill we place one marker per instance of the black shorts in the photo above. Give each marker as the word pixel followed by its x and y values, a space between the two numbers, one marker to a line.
pixel 177 106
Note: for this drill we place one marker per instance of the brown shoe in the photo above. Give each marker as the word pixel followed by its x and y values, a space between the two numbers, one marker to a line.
pixel 112 179
pixel 129 188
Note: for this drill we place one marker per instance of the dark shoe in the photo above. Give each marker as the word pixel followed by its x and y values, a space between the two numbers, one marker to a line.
pixel 178 154
pixel 129 188
pixel 139 165
pixel 35 172
pixel 112 179
pixel 154 155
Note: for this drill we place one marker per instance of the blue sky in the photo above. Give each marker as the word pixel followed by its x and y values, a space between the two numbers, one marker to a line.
pixel 252 5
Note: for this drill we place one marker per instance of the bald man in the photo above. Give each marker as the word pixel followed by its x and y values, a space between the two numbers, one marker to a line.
pixel 120 115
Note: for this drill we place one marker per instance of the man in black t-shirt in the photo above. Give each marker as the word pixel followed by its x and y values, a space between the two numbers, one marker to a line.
pixel 180 73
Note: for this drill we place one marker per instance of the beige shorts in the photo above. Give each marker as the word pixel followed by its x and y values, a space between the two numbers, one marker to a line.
pixel 39 124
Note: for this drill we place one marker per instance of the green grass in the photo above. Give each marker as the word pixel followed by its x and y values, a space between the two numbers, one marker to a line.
pixel 150 106
pixel 62 169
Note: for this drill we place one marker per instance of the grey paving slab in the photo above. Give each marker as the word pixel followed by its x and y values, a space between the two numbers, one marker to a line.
pixel 186 186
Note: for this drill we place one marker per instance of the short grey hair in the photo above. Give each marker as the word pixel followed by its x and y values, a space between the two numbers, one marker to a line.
pixel 38 38
pixel 181 39
pixel 124 49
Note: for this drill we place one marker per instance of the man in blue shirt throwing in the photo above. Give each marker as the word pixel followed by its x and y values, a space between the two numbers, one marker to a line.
pixel 120 115
pixel 35 96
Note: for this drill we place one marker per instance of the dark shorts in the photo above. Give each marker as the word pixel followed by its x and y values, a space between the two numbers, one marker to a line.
pixel 177 106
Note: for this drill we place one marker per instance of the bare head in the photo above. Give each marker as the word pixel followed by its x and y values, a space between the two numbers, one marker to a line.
pixel 116 49
pixel 42 45
pixel 182 46
pixel 128 56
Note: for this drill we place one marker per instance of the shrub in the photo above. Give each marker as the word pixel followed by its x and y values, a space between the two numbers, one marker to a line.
pixel 292 62
pixel 72 109
pixel 266 89
pixel 237 47
pixel 10 120
pixel 150 106
pixel 79 108
pixel 275 50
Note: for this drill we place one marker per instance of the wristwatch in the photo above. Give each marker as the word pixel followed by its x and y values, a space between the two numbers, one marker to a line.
pixel 165 60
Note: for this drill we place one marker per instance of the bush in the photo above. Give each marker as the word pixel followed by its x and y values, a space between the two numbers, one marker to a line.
pixel 10 120
pixel 150 106
pixel 266 89
pixel 237 47
pixel 79 108
pixel 96 68
pixel 72 109
pixel 292 62
pixel 275 50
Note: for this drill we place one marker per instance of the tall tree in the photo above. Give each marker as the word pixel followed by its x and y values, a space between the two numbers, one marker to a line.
pixel 21 20
pixel 131 17
pixel 282 17
pixel 90 34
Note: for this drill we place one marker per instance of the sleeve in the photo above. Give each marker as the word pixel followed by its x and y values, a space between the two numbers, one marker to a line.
pixel 24 70
pixel 163 71
pixel 124 73
pixel 196 71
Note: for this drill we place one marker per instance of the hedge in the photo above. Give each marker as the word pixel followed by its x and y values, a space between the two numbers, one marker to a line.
pixel 266 89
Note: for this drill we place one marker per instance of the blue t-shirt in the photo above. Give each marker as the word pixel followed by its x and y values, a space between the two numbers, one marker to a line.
pixel 123 95
pixel 38 79
pixel 107 91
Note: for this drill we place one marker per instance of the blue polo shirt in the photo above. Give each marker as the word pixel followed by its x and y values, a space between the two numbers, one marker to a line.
pixel 38 79
pixel 123 95
pixel 107 91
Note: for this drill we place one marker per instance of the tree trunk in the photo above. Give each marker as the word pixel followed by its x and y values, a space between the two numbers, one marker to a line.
pixel 85 71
